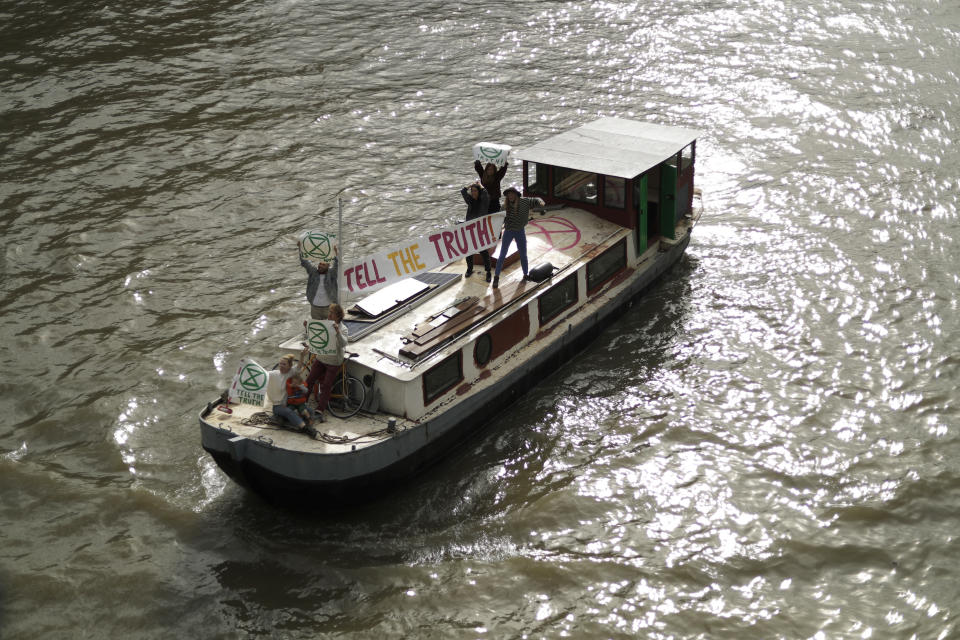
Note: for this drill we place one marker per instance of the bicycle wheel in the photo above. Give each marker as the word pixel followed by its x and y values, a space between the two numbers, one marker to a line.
pixel 346 402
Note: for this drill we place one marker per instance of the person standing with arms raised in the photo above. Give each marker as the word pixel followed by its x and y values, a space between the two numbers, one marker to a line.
pixel 321 285
pixel 490 177
pixel 518 214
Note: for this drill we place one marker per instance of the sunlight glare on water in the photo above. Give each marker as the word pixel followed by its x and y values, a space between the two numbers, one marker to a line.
pixel 764 446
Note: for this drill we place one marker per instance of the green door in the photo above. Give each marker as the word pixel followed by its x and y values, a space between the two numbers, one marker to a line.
pixel 640 202
pixel 668 200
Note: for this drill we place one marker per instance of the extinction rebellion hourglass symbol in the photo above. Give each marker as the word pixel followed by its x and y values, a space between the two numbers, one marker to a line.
pixel 252 377
pixel 317 245
pixel 319 337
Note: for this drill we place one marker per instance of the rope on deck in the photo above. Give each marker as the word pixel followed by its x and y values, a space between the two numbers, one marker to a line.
pixel 266 420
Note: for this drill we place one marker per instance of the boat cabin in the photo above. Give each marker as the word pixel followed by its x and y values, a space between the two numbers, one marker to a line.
pixel 638 175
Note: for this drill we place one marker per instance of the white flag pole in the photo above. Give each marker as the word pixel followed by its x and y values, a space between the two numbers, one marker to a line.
pixel 339 247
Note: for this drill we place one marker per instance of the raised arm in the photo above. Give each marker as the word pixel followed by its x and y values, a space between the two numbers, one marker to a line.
pixel 534 203
pixel 309 266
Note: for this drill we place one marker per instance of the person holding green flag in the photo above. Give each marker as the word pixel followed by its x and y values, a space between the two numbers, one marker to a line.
pixel 321 284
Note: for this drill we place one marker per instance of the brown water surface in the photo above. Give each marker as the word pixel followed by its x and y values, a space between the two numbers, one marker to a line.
pixel 767 447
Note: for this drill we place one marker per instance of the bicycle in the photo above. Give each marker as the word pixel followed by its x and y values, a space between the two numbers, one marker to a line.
pixel 347 394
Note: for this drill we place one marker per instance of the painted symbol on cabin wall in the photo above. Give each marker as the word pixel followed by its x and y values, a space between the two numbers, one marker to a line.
pixel 252 377
pixel 558 232
pixel 319 336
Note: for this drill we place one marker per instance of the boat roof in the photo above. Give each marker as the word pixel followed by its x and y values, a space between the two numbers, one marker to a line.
pixel 610 147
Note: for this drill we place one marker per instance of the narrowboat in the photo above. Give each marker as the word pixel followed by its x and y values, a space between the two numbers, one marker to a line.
pixel 434 357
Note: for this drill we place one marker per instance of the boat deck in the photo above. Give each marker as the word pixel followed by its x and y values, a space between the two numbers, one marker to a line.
pixel 338 435
pixel 429 328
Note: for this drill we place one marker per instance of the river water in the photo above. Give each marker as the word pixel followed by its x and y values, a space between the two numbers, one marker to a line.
pixel 767 447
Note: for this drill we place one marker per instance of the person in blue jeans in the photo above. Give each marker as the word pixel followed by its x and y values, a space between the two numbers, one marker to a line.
pixel 517 215
pixel 277 391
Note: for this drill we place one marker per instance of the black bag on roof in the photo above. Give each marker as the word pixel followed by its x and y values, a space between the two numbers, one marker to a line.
pixel 541 272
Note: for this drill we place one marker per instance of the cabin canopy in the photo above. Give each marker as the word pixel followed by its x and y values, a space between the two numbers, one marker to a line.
pixel 610 147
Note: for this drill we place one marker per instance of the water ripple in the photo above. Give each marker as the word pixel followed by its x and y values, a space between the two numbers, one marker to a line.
pixel 764 447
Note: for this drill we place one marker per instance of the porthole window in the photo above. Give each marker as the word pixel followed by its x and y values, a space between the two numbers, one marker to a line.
pixel 482 350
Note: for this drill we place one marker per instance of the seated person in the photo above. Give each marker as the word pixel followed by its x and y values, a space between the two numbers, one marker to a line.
pixel 297 393
pixel 277 391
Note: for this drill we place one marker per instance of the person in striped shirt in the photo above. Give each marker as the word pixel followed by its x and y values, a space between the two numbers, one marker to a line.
pixel 517 215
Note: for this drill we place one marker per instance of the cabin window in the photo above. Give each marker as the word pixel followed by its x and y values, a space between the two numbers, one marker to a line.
pixel 571 184
pixel 605 266
pixel 557 298
pixel 441 378
pixel 537 178
pixel 614 192
pixel 686 156
pixel 482 350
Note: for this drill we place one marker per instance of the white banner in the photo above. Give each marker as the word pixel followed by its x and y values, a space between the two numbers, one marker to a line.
pixel 317 245
pixel 322 337
pixel 491 153
pixel 249 384
pixel 422 254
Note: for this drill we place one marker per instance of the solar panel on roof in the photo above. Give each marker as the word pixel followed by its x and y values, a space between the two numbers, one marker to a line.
pixel 392 296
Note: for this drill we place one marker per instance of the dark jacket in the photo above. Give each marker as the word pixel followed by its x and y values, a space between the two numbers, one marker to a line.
pixel 476 208
pixel 492 185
